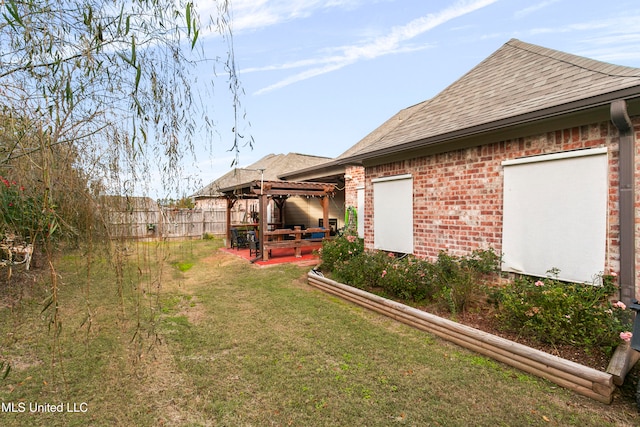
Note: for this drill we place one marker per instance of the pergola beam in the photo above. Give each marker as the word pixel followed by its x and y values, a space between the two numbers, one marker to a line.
pixel 301 193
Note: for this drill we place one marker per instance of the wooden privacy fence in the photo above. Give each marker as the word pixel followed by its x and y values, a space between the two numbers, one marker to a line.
pixel 165 223
pixel 579 378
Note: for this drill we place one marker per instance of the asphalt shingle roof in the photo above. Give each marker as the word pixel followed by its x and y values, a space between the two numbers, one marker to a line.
pixel 518 79
pixel 272 165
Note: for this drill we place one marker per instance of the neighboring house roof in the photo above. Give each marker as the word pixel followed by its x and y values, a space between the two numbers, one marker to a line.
pixel 517 84
pixel 268 168
pixel 337 166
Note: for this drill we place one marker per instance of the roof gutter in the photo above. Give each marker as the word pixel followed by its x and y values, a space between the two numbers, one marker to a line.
pixel 626 198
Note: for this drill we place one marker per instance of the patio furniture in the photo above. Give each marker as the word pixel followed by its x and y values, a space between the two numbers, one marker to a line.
pixel 254 244
pixel 238 239
pixel 276 239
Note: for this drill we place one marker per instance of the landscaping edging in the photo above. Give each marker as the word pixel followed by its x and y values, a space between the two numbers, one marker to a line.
pixel 565 373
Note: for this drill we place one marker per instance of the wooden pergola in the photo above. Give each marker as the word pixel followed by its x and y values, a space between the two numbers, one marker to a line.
pixel 279 192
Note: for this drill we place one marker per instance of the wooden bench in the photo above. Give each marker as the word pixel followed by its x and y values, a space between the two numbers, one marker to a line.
pixel 276 239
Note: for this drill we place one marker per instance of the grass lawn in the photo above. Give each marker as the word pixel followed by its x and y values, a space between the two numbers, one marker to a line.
pixel 185 335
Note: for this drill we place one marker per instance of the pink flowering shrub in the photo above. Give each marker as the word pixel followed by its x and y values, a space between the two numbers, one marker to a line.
pixel 339 250
pixel 455 281
pixel 626 336
pixel 556 312
pixel 407 278
pixel 620 305
pixel 546 309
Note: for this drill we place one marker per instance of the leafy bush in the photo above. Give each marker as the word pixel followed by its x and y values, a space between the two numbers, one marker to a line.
pixel 342 248
pixel 460 281
pixel 454 280
pixel 482 261
pixel 563 313
pixel 363 271
pixel 23 215
pixel 408 278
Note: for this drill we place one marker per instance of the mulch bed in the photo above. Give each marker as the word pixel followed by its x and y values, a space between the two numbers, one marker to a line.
pixel 485 321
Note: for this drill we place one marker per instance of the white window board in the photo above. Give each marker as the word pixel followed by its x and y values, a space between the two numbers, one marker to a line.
pixel 555 214
pixel 360 201
pixel 393 213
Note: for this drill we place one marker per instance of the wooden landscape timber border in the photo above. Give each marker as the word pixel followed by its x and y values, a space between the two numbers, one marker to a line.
pixel 581 379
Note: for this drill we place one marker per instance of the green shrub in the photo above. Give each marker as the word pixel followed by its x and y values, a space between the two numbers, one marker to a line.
pixel 482 261
pixel 461 280
pixel 363 271
pixel 563 313
pixel 339 250
pixel 453 280
pixel 23 213
pixel 408 278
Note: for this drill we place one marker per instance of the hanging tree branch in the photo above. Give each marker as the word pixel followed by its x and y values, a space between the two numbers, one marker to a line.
pixel 115 69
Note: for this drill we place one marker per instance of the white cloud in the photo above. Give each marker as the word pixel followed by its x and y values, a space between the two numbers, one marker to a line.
pixel 614 56
pixel 613 40
pixel 618 48
pixel 391 43
pixel 534 8
pixel 612 26
pixel 256 14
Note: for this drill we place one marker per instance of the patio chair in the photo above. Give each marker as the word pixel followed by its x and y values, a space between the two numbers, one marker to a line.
pixel 254 243
pixel 238 239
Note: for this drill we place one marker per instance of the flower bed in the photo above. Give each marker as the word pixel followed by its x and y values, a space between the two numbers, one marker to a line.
pixel 583 380
pixel 579 323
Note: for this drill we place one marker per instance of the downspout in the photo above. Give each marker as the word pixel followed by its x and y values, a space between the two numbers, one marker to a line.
pixel 626 200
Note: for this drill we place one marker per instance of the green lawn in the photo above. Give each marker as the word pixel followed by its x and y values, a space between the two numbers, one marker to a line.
pixel 225 343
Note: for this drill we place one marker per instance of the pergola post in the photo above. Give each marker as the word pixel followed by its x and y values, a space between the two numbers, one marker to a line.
pixel 230 203
pixel 324 201
pixel 262 210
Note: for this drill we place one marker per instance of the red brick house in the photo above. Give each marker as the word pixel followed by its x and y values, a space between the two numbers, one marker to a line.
pixel 531 153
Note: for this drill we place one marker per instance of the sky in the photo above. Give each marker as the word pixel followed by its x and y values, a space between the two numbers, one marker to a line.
pixel 319 75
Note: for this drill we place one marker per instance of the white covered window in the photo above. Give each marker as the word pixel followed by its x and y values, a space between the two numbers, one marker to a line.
pixel 360 198
pixel 393 213
pixel 555 214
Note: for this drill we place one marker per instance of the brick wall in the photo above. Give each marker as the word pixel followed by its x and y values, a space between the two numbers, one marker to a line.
pixel 458 195
pixel 351 185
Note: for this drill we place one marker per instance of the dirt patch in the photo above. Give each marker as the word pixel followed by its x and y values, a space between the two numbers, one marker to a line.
pixel 193 310
pixel 17 286
pixel 22 363
pixel 162 383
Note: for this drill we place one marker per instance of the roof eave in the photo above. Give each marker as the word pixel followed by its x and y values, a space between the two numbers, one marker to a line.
pixel 522 119
pixel 298 174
